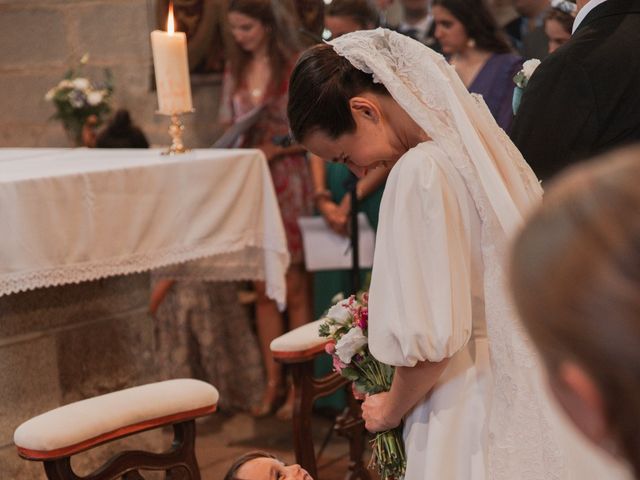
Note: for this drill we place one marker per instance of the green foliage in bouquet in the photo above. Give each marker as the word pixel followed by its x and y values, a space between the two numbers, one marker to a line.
pixel 76 99
pixel 346 323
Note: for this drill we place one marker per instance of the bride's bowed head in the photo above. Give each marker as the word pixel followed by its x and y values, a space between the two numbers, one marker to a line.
pixel 337 112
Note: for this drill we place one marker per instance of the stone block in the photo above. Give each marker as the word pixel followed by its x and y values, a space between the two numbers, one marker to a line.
pixel 28 383
pixel 32 37
pixel 12 467
pixel 23 96
pixel 45 309
pixel 105 356
pixel 48 134
pixel 123 29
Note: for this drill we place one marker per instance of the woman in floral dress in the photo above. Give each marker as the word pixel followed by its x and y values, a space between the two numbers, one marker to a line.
pixel 263 52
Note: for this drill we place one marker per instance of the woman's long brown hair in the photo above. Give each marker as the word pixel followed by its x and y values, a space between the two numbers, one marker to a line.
pixel 280 19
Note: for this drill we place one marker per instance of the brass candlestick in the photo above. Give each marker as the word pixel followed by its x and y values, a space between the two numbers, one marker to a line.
pixel 176 128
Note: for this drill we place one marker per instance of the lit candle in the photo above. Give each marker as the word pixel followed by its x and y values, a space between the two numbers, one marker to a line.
pixel 171 69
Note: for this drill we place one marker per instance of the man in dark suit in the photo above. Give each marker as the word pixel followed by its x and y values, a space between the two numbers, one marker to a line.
pixel 417 22
pixel 585 97
pixel 527 31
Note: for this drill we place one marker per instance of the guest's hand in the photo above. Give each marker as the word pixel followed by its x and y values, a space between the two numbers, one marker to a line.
pixel 345 204
pixel 334 216
pixel 376 415
pixel 271 151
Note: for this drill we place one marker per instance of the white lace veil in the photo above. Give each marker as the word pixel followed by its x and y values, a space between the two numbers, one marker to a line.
pixel 503 188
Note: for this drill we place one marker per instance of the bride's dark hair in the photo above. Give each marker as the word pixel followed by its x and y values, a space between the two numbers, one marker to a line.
pixel 321 85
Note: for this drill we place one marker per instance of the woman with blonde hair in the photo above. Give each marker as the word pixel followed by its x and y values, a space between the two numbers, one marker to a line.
pixel 576 279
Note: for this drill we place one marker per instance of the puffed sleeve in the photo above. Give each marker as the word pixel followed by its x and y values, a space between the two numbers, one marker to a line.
pixel 420 297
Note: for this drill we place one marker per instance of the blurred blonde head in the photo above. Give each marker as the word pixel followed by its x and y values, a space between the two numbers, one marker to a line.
pixel 575 275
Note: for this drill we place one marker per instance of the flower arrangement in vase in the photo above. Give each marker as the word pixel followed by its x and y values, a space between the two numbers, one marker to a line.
pixel 78 100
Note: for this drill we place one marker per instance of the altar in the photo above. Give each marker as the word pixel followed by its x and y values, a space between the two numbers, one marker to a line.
pixel 81 229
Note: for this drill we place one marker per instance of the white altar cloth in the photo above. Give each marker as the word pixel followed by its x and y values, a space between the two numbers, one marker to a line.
pixel 72 215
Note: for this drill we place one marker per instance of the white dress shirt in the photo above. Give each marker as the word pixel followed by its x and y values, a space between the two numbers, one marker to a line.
pixel 584 11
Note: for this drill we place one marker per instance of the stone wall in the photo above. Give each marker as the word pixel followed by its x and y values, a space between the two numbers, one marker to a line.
pixel 41 39
pixel 62 344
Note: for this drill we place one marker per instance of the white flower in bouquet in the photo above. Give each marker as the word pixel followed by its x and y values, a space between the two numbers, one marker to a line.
pixel 95 97
pixel 80 83
pixel 50 94
pixel 340 313
pixel 350 343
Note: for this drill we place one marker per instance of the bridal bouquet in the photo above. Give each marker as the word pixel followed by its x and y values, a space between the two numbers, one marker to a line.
pixel 346 324
pixel 76 99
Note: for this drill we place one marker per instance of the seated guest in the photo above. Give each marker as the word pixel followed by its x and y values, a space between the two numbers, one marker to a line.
pixel 559 23
pixel 345 16
pixel 576 281
pixel 474 45
pixel 259 465
pixel 121 133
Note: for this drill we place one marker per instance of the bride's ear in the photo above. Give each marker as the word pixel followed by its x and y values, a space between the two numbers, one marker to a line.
pixel 363 108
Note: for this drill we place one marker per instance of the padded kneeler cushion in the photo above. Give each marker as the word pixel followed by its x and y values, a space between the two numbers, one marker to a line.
pixel 79 426
pixel 300 344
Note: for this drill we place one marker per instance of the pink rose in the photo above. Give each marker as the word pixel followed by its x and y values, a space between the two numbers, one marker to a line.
pixel 363 318
pixel 337 364
pixel 330 348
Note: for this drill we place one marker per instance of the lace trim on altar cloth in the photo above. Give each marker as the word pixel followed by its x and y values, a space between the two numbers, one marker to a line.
pixel 210 263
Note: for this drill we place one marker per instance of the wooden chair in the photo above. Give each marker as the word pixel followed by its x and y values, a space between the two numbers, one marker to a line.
pixel 298 349
pixel 55 436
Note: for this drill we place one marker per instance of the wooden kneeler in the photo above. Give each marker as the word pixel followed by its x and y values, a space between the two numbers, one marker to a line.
pixel 55 436
pixel 298 349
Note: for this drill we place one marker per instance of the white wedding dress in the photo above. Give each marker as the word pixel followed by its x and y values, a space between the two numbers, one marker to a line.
pixel 438 288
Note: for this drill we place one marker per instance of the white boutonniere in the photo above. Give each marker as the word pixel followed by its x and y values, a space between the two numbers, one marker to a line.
pixel 521 79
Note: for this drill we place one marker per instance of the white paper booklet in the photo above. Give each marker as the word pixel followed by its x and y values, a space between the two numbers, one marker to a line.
pixel 326 250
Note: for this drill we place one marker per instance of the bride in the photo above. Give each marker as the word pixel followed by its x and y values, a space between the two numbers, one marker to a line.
pixel 467 382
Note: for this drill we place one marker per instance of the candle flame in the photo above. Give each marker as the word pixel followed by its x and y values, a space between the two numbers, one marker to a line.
pixel 170 20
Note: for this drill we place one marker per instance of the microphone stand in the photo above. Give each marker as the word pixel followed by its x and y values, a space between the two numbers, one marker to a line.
pixel 355 244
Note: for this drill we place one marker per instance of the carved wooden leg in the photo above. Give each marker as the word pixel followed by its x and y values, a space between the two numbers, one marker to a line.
pixel 350 425
pixel 307 389
pixel 302 374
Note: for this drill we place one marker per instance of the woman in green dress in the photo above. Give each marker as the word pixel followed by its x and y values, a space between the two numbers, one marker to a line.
pixel 330 181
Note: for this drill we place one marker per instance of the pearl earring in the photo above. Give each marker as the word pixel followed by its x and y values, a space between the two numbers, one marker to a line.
pixel 471 43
